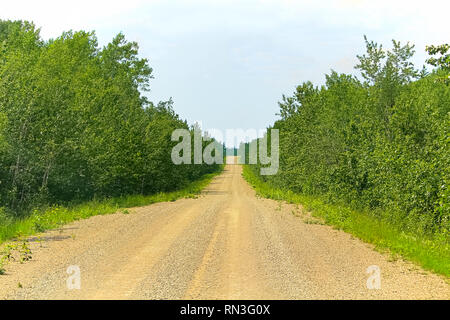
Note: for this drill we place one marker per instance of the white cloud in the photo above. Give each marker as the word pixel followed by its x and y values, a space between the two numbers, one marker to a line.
pixel 406 18
pixel 55 16
pixel 223 58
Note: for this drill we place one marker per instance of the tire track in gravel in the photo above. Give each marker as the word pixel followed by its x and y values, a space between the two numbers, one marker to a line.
pixel 226 244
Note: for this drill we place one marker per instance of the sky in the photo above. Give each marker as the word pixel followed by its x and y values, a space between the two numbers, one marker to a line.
pixel 226 63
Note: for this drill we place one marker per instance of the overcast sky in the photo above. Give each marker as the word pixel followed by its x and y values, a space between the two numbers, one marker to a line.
pixel 226 63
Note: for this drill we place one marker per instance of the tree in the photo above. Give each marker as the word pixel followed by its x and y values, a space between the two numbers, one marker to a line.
pixel 443 61
pixel 74 123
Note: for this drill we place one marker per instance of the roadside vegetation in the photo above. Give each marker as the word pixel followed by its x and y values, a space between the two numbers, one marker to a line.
pixel 77 135
pixel 55 216
pixel 372 155
pixel 431 253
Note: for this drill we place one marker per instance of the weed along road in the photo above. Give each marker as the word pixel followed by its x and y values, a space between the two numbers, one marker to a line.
pixel 225 244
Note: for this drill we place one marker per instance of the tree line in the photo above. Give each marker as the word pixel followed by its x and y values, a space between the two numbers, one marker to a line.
pixel 75 125
pixel 380 143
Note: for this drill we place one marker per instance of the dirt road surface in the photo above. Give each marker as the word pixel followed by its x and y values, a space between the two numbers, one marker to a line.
pixel 226 244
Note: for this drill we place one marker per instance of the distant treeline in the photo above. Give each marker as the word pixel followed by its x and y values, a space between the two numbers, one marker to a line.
pixel 231 151
pixel 74 124
pixel 381 144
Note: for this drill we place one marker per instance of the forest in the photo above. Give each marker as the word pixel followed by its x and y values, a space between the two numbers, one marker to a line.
pixel 379 142
pixel 75 124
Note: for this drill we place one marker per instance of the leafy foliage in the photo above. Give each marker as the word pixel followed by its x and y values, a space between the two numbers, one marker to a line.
pixel 381 144
pixel 444 60
pixel 74 124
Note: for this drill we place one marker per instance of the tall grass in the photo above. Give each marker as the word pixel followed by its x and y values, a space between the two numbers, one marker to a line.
pixel 55 216
pixel 431 253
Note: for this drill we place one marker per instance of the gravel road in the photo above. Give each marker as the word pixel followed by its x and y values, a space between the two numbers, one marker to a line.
pixel 226 244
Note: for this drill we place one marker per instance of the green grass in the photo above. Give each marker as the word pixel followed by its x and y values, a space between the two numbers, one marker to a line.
pixel 431 253
pixel 56 216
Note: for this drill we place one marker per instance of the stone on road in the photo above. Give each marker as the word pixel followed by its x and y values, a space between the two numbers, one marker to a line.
pixel 226 244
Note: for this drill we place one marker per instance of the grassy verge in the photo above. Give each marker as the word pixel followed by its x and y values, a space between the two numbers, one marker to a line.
pixel 431 254
pixel 53 217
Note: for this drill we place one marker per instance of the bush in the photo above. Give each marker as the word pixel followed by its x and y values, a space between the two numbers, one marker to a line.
pixel 381 144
